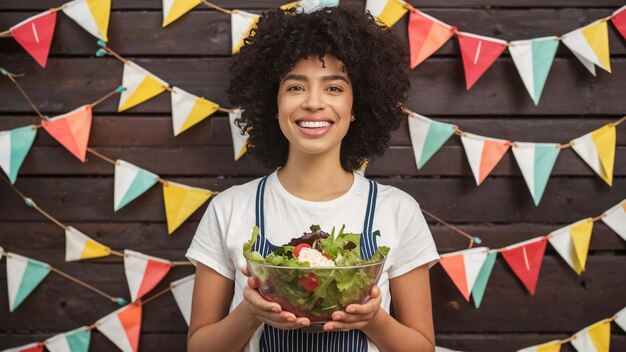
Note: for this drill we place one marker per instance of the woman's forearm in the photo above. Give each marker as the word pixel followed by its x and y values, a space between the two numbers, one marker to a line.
pixel 229 334
pixel 388 334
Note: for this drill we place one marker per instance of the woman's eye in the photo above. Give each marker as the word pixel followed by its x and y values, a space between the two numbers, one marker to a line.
pixel 335 89
pixel 294 88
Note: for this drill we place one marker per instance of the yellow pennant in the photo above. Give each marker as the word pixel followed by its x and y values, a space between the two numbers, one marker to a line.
pixel 188 109
pixel 290 5
pixel 605 138
pixel 600 334
pixel 94 250
pixel 581 235
pixel 598 38
pixel 101 11
pixel 241 23
pixel 140 85
pixel 388 11
pixel 180 202
pixel 552 346
pixel 174 9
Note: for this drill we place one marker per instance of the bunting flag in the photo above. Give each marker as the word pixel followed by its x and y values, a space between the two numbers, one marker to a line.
pixel 79 246
pixel 241 23
pixel 71 130
pixel 183 291
pixel 619 20
pixel 483 277
pixel 140 85
pixel 23 275
pixel 597 149
pixel 35 35
pixel 552 346
pixel 594 338
pixel 130 182
pixel 14 146
pixel 533 59
pixel 463 267
pixel 478 54
pixel 590 44
pixel 174 9
pixel 188 109
pixel 362 167
pixel 92 15
pixel 308 6
pixel 72 341
pixel 143 272
pixel 2 252
pixel 31 347
pixel 426 35
pixel 616 219
pixel 122 327
pixel 387 11
pixel 483 154
pixel 427 137
pixel 536 161
pixel 240 141
pixel 620 318
pixel 180 202
pixel 525 259
pixel 572 243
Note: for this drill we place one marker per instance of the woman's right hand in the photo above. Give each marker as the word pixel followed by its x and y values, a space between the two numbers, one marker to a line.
pixel 269 312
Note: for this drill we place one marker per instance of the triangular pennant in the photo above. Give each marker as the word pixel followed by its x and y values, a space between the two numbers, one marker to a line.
pixel 72 341
pixel 616 219
pixel 122 327
pixel 241 23
pixel 483 277
pixel 130 182
pixel 240 141
pixel 426 35
pixel 174 9
pixel 309 6
pixel 79 246
pixel 619 20
pixel 463 267
pixel 572 243
pixel 140 85
pixel 525 260
pixel 478 54
pixel 180 202
pixel 591 43
pixel 362 167
pixel 188 110
pixel 536 161
pixel 31 347
pixel 14 146
pixel 2 253
pixel 143 272
pixel 597 149
pixel 35 35
pixel 71 130
pixel 23 275
pixel 620 319
pixel 92 15
pixel 533 59
pixel 594 338
pixel 427 137
pixel 552 346
pixel 387 11
pixel 183 290
pixel 483 154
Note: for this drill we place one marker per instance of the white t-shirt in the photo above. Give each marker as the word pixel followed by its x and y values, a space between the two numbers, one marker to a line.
pixel 230 217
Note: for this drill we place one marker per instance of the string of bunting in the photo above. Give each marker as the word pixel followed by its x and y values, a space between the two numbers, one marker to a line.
pixel 533 58
pixel 535 160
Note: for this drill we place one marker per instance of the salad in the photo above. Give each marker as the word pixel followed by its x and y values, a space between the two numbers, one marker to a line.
pixel 317 273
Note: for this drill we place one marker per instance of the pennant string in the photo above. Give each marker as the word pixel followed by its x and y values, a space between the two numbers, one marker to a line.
pixel 110 94
pixel 213 6
pixel 454 228
pixel 84 284
pixel 19 87
pixel 107 159
pixel 182 263
pixel 616 123
pixel 156 295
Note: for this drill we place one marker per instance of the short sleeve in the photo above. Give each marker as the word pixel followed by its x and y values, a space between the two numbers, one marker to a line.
pixel 416 245
pixel 209 244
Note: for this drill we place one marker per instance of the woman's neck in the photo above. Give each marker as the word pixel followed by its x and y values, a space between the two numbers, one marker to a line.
pixel 315 177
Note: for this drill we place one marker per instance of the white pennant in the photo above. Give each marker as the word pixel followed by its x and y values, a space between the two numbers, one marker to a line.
pixel 616 219
pixel 80 246
pixel 143 272
pixel 620 319
pixel 183 291
pixel 562 241
pixel 130 182
pixel 76 340
pixel 239 140
pixel 122 327
pixel 136 93
pixel 92 15
pixel 241 23
pixel 582 48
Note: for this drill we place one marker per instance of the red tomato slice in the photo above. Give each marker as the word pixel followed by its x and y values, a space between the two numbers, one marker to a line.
pixel 296 251
pixel 309 282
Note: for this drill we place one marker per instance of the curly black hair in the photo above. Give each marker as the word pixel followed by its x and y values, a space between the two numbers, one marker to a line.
pixel 375 60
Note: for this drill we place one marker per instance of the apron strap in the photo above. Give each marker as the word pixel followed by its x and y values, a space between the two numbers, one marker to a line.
pixel 368 238
pixel 261 244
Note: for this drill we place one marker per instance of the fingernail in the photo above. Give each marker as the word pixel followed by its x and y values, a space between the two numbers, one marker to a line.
pixel 290 319
pixel 275 309
pixel 330 328
pixel 350 310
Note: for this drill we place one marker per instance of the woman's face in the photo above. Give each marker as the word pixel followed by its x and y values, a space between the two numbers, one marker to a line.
pixel 315 105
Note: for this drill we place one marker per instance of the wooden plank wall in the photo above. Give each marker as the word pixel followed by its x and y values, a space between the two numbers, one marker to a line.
pixel 193 53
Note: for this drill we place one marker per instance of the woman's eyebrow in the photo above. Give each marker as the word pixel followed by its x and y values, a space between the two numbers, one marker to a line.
pixel 323 79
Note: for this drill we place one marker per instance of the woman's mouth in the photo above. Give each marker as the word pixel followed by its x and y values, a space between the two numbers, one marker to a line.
pixel 313 128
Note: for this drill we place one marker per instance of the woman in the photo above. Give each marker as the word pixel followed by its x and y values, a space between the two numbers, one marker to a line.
pixel 322 92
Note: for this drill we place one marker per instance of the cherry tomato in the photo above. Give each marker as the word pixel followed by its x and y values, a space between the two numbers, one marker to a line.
pixel 328 256
pixel 296 251
pixel 309 282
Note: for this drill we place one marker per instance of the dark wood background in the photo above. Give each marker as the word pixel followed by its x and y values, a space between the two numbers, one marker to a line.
pixel 194 53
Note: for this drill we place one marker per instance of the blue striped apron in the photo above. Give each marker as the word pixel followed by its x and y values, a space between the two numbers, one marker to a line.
pixel 273 339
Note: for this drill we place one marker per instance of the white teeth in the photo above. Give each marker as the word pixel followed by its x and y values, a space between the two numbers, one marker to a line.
pixel 313 124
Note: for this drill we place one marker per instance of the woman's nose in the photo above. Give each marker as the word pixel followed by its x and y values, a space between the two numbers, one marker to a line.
pixel 314 101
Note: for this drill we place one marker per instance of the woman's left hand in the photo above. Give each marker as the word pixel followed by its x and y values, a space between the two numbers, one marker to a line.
pixel 356 316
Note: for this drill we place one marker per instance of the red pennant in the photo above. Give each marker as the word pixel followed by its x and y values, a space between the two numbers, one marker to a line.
pixel 35 35
pixel 426 35
pixel 619 20
pixel 478 54
pixel 155 272
pixel 525 260
pixel 72 130
pixel 455 267
pixel 130 319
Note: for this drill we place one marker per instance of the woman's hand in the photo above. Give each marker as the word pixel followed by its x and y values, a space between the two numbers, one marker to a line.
pixel 269 312
pixel 356 316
